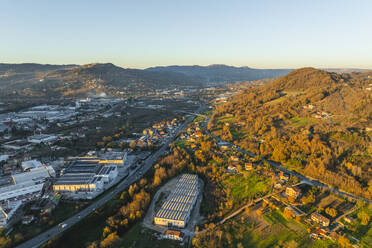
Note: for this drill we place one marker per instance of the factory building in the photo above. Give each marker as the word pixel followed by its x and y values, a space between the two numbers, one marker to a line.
pixel 109 158
pixel 177 208
pixel 86 176
pixel 24 186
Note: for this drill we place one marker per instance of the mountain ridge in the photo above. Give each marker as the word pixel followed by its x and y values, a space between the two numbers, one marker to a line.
pixel 31 79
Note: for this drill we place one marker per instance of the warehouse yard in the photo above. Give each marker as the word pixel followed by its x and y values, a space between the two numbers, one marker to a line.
pixel 161 197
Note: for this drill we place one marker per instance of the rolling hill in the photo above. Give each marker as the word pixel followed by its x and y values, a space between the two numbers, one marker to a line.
pixel 313 121
pixel 36 80
pixel 71 80
pixel 218 74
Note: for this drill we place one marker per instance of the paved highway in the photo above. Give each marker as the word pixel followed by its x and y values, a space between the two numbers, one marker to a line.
pixel 133 177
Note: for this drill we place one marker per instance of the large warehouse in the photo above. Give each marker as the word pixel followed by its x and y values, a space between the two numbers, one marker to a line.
pixel 26 185
pixel 85 176
pixel 177 208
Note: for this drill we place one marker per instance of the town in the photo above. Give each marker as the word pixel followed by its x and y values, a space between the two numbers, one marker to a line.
pixel 53 156
pixel 37 190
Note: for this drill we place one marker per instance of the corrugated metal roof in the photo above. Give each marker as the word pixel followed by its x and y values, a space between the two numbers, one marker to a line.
pixel 180 201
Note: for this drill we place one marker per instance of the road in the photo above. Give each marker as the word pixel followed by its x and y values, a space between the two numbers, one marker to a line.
pixel 278 166
pixel 133 177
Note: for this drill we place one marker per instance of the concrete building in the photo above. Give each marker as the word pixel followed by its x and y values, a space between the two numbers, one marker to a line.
pixel 177 208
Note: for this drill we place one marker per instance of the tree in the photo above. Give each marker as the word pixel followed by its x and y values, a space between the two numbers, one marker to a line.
pixel 133 144
pixel 344 242
pixel 157 180
pixel 331 212
pixel 124 196
pixel 106 231
pixel 112 240
pixel 93 245
pixel 142 182
pixel 288 213
pixel 309 198
pixel 364 218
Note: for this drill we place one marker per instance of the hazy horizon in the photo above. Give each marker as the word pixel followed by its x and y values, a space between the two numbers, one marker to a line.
pixel 264 34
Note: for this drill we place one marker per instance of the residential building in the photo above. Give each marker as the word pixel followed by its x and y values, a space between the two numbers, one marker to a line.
pixel 173 234
pixel 318 218
pixel 283 176
pixel 293 191
pixel 248 166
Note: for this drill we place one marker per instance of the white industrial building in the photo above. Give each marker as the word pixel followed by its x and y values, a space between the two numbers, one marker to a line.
pixel 17 145
pixel 31 164
pixel 177 208
pixel 26 185
pixel 86 175
pixel 42 138
pixel 7 212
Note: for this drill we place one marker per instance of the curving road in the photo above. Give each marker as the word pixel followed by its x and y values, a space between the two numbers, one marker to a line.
pixel 133 177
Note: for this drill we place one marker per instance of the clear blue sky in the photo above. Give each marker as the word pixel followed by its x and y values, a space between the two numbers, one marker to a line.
pixel 139 33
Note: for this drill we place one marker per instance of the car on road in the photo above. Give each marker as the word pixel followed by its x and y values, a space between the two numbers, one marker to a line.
pixel 62 225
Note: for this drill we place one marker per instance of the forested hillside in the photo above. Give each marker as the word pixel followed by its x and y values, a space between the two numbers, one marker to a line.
pixel 316 122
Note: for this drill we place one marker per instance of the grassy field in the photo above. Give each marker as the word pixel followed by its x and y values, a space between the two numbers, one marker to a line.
pixel 226 119
pixel 246 186
pixel 199 118
pixel 286 230
pixel 302 121
pixel 182 143
pixel 139 237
